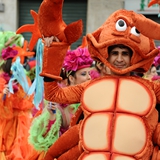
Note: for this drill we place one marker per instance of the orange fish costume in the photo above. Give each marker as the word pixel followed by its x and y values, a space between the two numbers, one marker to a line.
pixel 120 120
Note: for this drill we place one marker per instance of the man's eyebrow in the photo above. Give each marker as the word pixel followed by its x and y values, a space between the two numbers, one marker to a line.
pixel 127 52
pixel 113 51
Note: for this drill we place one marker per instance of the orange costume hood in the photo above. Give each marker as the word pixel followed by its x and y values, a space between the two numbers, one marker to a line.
pixel 129 28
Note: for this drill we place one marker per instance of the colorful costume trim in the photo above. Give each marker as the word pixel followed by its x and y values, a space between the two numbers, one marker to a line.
pixel 38 136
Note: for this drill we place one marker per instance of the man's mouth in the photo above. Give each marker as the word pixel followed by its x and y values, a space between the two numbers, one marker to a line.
pixel 119 66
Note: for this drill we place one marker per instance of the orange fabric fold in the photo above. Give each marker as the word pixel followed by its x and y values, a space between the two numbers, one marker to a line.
pixel 15 122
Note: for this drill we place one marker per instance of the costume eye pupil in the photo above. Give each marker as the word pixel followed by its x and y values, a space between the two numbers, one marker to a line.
pixel 137 30
pixel 121 23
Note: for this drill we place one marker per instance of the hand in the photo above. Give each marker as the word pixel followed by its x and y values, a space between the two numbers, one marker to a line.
pixel 49 40
pixel 51 107
pixel 6 89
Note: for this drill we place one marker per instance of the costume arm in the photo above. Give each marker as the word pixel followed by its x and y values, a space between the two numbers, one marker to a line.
pixel 66 95
pixel 156 87
pixel 67 141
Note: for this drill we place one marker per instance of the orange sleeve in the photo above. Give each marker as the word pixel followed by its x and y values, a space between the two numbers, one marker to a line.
pixel 156 88
pixel 66 95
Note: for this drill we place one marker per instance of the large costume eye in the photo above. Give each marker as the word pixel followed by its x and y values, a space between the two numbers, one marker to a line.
pixel 135 31
pixel 121 25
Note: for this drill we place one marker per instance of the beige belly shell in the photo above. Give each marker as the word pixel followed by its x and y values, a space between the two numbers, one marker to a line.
pixel 113 128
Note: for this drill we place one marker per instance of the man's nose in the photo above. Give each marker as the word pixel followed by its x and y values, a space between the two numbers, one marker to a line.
pixel 119 58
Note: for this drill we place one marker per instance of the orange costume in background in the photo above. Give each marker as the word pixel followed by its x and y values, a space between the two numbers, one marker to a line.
pixel 15 121
pixel 120 119
pixel 15 110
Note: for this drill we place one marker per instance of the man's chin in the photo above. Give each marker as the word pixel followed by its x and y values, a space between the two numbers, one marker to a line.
pixel 120 67
pixel 118 73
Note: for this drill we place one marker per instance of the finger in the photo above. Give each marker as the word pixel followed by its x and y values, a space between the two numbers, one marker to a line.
pixel 52 38
pixel 5 91
pixel 46 42
pixel 56 39
pixel 51 107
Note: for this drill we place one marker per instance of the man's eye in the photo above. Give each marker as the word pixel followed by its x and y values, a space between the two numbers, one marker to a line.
pixel 114 53
pixel 125 53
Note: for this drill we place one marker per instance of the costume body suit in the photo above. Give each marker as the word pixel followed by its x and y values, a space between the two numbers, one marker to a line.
pixel 115 124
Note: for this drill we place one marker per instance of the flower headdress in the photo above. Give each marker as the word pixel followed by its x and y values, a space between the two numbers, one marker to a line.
pixel 9 52
pixel 156 60
pixel 77 59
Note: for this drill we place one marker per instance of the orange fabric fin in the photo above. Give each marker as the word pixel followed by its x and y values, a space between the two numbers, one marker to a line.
pixel 73 31
pixel 152 2
pixel 33 28
pixel 22 52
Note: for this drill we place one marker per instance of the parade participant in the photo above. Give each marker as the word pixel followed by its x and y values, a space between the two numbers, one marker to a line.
pixel 10 38
pixel 120 120
pixel 15 109
pixel 152 72
pixel 83 143
pixel 156 63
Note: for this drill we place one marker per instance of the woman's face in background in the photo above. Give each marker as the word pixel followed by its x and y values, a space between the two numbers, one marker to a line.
pixel 153 71
pixel 81 75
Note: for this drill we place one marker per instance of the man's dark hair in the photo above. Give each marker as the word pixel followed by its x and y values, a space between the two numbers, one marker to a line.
pixel 110 48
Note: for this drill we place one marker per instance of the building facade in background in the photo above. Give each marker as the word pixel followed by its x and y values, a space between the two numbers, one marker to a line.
pixel 93 12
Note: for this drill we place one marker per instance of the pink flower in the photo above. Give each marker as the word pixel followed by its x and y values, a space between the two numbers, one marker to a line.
pixel 94 74
pixel 9 52
pixel 77 59
pixel 156 61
